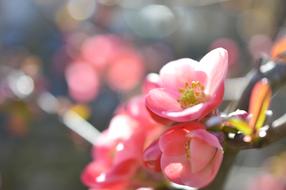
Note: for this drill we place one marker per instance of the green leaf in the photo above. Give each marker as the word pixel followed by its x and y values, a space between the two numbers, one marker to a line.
pixel 240 125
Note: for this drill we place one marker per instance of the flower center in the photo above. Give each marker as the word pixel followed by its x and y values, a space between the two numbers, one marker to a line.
pixel 191 94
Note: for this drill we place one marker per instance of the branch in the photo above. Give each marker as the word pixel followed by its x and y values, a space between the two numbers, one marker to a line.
pixel 275 72
pixel 277 130
pixel 276 75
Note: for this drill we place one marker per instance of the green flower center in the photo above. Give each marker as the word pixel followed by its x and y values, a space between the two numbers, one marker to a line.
pixel 191 94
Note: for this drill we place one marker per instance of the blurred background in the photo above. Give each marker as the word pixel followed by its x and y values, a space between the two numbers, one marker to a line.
pixel 88 56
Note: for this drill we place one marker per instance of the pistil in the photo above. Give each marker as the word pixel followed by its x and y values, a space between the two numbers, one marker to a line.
pixel 191 94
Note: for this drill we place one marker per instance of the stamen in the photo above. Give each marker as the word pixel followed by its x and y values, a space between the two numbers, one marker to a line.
pixel 187 149
pixel 191 94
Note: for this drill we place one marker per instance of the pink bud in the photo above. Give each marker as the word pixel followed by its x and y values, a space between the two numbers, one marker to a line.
pixel 152 156
pixel 190 155
pixel 117 154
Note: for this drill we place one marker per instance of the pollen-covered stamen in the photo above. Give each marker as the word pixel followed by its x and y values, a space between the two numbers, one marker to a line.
pixel 191 94
pixel 187 149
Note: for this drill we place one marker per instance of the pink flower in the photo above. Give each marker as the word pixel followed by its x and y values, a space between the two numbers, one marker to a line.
pixel 125 70
pixel 99 175
pixel 188 89
pixel 190 155
pixel 136 108
pixel 117 154
pixel 83 81
pixel 98 50
pixel 120 62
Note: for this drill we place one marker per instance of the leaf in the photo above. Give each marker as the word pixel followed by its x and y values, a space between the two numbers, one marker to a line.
pixel 279 49
pixel 240 125
pixel 259 103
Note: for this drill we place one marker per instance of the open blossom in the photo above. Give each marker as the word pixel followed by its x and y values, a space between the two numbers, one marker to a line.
pixel 189 155
pixel 118 153
pixel 188 89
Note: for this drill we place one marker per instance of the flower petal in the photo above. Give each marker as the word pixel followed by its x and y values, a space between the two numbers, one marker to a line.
pixel 152 80
pixel 201 154
pixel 173 167
pixel 159 101
pixel 205 136
pixel 175 74
pixel 215 65
pixel 204 177
pixel 152 156
pixel 198 111
pixel 172 142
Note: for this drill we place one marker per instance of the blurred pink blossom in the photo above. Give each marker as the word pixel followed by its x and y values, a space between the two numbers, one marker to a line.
pixel 83 81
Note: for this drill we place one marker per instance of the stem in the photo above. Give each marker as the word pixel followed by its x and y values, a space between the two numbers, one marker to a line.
pixel 221 178
pixel 277 131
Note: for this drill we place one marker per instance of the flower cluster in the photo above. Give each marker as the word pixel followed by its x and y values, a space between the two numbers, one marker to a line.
pixel 161 136
pixel 107 54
